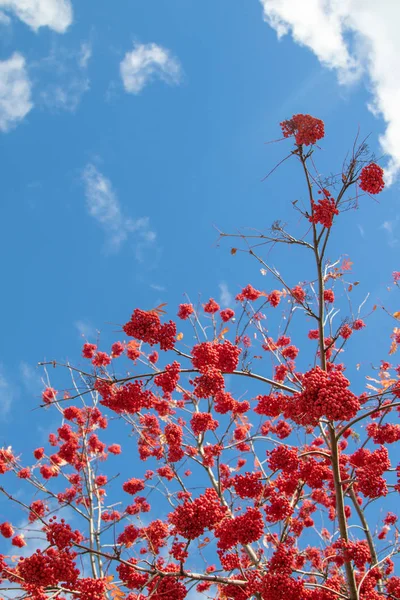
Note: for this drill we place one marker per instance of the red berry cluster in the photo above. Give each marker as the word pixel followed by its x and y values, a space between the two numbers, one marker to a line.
pixel 146 326
pixel 323 395
pixel 305 129
pixel 168 380
pixel 371 179
pixel 244 529
pixel 192 518
pixel 202 422
pixel 324 210
pixel 133 486
pixel 248 293
pixel 224 357
pixel 184 311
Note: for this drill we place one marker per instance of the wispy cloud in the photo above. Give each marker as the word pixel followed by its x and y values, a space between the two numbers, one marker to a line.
pixel 66 77
pixel 157 288
pixel 354 38
pixel 225 297
pixel 147 62
pixel 55 14
pixel 15 92
pixel 85 54
pixel 85 329
pixel 4 19
pixel 7 394
pixel 103 205
pixel 31 378
pixel 390 228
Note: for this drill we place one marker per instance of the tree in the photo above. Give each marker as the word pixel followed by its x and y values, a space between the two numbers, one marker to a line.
pixel 272 497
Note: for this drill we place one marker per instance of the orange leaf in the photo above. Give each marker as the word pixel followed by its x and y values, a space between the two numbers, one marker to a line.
pixel 393 348
pixel 179 337
pixel 223 332
pixel 397 315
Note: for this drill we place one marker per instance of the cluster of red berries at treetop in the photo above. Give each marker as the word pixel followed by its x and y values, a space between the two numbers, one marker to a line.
pixel 324 210
pixel 184 311
pixel 193 517
pixel 146 326
pixel 306 129
pixel 371 179
pixel 249 293
pixel 323 395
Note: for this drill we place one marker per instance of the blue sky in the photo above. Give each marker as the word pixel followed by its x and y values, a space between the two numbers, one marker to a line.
pixel 131 130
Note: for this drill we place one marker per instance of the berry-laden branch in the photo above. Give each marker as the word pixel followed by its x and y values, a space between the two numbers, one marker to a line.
pixel 252 463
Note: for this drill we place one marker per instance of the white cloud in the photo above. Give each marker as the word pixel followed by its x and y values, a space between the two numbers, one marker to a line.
pixel 15 91
pixel 55 14
pixel 7 394
pixel 353 37
pixel 225 297
pixel 147 62
pixel 103 205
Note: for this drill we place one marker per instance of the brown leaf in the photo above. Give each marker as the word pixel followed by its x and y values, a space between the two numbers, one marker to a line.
pixel 350 287
pixel 159 309
pixel 393 348
pixel 233 250
pixel 397 315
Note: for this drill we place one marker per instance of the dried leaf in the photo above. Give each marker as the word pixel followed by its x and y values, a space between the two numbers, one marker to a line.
pixel 179 337
pixel 346 264
pixel 356 283
pixel 159 309
pixel 371 387
pixel 233 250
pixel 350 287
pixel 397 315
pixel 223 332
pixel 393 348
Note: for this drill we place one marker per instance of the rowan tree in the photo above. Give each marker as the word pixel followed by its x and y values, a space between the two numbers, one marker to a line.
pixel 280 490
